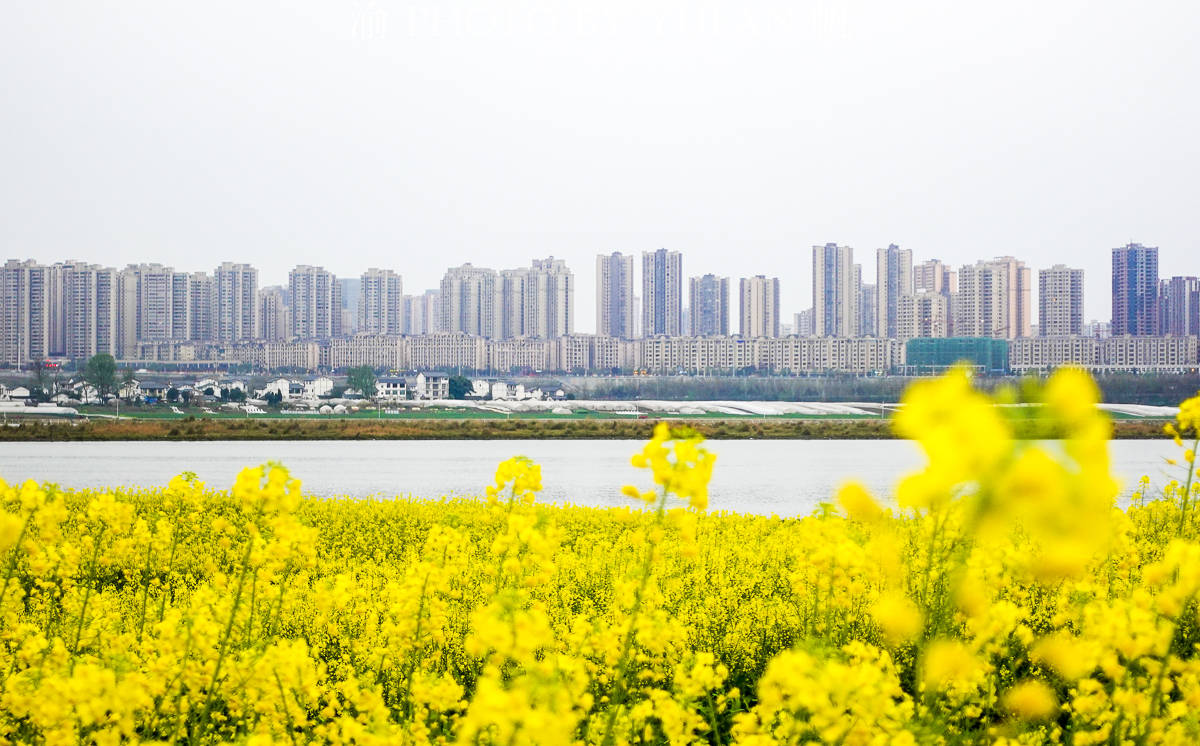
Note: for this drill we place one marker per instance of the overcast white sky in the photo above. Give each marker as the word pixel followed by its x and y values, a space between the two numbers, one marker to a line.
pixel 420 135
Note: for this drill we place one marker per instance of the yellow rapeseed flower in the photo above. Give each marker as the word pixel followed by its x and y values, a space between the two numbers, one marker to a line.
pixel 1031 700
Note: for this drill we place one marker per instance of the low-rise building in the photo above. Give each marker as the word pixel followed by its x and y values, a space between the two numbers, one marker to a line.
pixel 391 388
pixel 432 386
pixel 1125 354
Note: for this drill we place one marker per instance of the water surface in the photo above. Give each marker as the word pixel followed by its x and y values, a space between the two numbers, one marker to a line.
pixel 787 477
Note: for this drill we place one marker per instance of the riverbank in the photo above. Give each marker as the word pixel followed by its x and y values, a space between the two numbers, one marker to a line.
pixel 340 429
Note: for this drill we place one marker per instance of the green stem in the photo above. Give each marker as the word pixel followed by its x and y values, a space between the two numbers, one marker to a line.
pixel 403 698
pixel 712 718
pixel 145 593
pixel 627 643
pixel 12 560
pixel 253 599
pixel 162 604
pixel 224 647
pixel 87 594
pixel 1156 699
pixel 1187 488
pixel 287 713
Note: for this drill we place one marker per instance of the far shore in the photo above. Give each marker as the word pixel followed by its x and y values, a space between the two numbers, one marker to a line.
pixel 475 429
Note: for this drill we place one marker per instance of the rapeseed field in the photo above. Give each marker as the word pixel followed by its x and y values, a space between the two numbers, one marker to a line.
pixel 999 596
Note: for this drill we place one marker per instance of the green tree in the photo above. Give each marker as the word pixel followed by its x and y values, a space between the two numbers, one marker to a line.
pixel 460 386
pixel 362 378
pixel 172 394
pixel 101 373
pixel 41 386
pixel 127 384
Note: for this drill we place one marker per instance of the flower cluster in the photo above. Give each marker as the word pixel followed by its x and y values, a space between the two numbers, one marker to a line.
pixel 679 464
pixel 1000 596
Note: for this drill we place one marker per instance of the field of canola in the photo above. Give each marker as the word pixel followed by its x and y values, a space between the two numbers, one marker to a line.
pixel 1002 599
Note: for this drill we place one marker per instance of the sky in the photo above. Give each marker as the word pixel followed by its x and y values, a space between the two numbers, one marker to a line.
pixel 418 135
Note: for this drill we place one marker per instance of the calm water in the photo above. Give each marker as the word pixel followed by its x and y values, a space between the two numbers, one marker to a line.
pixel 770 476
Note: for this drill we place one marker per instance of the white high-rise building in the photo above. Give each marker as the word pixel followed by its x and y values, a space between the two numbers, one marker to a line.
pixel 514 303
pixel 381 302
pixel 471 301
pixel 1179 306
pixel 1060 302
pixel 202 307
pixel 934 277
pixel 236 315
pixel 538 302
pixel 90 301
pixel 272 314
pixel 802 323
pixel 662 293
pixel 181 311
pixel 923 314
pixel 145 310
pixel 837 282
pixel 615 314
pixel 993 300
pixel 893 280
pixel 759 305
pixel 24 312
pixel 316 303
pixel 553 293
pixel 423 313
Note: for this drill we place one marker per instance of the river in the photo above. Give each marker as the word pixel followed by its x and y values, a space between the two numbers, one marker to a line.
pixel 786 477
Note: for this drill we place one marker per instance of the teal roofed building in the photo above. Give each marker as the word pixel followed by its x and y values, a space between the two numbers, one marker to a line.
pixel 930 355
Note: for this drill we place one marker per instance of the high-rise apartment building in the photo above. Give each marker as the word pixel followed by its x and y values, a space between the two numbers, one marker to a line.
pixel 867 316
pixel 351 296
pixel 145 305
pixel 514 297
pixel 662 293
pixel 471 301
pixel 202 307
pixel 1179 306
pixel 423 313
pixel 1060 301
pixel 181 316
pixel 539 301
pixel 922 314
pixel 759 305
pixel 934 277
pixel 272 314
pixel 90 303
pixel 615 316
pixel 236 297
pixel 316 303
pixel 24 312
pixel 893 280
pixel 1098 329
pixel 380 304
pixel 837 283
pixel 993 300
pixel 803 323
pixel 708 306
pixel 552 312
pixel 1135 290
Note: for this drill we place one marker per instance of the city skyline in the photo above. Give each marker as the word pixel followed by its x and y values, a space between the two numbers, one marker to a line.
pixel 992 297
pixel 1027 135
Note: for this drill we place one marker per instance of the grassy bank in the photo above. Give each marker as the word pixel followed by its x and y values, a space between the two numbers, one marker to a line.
pixel 474 429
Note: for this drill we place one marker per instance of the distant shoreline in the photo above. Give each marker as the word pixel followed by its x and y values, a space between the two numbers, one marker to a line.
pixel 234 429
